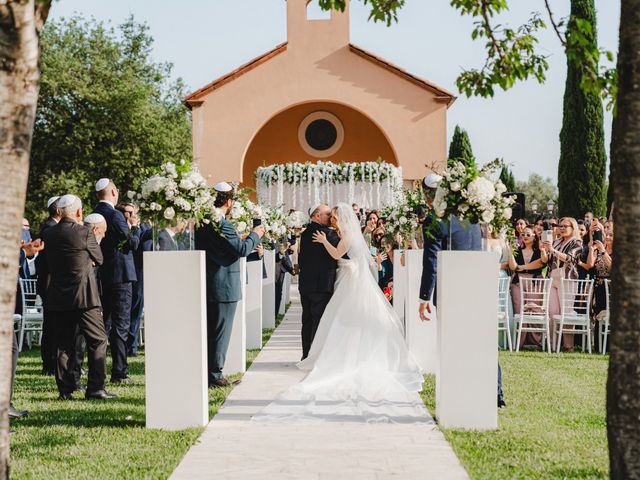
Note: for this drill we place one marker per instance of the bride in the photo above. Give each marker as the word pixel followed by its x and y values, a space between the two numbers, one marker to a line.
pixel 359 366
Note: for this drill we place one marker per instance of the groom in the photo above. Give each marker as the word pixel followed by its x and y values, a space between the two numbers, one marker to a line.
pixel 317 273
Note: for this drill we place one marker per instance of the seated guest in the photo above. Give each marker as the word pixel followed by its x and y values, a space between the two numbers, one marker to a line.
pixel 528 262
pixel 377 238
pixel 384 261
pixel 73 299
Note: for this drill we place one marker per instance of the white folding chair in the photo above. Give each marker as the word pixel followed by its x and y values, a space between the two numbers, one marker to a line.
pixel 575 311
pixel 534 309
pixel 31 312
pixel 141 330
pixel 503 309
pixel 17 322
pixel 604 323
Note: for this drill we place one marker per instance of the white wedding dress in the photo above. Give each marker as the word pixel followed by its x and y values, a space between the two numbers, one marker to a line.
pixel 359 366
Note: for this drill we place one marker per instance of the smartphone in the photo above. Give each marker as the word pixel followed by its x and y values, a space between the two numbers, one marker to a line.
pixel 547 236
pixel 373 251
pixel 257 222
pixel 597 236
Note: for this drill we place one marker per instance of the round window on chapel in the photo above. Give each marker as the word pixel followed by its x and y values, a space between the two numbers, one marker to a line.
pixel 321 134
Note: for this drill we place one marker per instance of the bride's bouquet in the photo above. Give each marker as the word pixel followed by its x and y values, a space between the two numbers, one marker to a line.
pixel 175 192
pixel 473 195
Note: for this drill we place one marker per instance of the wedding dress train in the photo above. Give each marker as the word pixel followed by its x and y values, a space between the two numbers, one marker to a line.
pixel 359 366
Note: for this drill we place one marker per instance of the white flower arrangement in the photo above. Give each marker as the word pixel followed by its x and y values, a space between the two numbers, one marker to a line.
pixel 175 192
pixel 473 195
pixel 297 219
pixel 401 218
pixel 328 172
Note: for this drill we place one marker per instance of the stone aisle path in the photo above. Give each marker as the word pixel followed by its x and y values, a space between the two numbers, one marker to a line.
pixel 232 447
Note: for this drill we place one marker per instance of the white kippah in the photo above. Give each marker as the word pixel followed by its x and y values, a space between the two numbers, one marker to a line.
pixel 314 207
pixel 67 200
pixel 222 187
pixel 51 200
pixel 102 184
pixel 94 218
pixel 432 180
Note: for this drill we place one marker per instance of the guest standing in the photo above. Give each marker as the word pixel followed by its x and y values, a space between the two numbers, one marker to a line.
pixel 224 249
pixel 47 342
pixel 117 275
pixel 74 300
pixel 564 255
pixel 284 265
pixel 527 263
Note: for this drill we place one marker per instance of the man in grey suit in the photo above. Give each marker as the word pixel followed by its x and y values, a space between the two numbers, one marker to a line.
pixel 224 249
pixel 73 298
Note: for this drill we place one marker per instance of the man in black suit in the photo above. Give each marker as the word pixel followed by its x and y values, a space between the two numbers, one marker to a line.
pixel 73 299
pixel 47 343
pixel 117 275
pixel 317 274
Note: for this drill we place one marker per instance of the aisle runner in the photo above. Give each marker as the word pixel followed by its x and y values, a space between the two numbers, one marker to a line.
pixel 231 447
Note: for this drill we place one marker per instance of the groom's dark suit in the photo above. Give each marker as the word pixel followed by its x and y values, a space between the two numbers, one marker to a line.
pixel 317 278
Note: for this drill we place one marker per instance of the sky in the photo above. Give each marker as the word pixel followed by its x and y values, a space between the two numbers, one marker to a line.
pixel 205 39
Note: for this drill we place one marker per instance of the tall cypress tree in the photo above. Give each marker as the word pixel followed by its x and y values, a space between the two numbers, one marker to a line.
pixel 582 166
pixel 506 176
pixel 460 148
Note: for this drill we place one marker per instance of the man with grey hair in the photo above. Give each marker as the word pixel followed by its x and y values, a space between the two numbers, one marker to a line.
pixel 97 224
pixel 73 298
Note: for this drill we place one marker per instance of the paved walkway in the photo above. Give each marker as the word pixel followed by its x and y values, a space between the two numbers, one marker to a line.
pixel 232 447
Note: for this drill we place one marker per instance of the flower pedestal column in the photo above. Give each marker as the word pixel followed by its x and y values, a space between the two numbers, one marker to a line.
pixel 467 376
pixel 421 336
pixel 253 303
pixel 269 290
pixel 236 361
pixel 175 340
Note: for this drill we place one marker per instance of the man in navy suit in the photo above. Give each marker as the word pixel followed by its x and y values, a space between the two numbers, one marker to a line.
pixel 435 239
pixel 224 249
pixel 117 274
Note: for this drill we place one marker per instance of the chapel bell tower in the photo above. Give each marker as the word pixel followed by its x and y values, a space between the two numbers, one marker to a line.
pixel 329 34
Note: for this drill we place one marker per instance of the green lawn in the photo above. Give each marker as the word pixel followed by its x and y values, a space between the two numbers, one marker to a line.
pixel 94 440
pixel 554 424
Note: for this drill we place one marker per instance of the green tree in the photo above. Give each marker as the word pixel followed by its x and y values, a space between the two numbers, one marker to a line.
pixel 106 109
pixel 507 178
pixel 582 166
pixel 460 147
pixel 540 189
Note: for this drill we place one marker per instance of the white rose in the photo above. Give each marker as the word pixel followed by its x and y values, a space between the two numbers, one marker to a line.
pixel 153 205
pixel 131 194
pixel 487 216
pixel 186 184
pixel 403 220
pixel 481 190
pixel 500 188
pixel 455 186
pixel 216 214
pixel 242 226
pixel 508 213
pixel 169 213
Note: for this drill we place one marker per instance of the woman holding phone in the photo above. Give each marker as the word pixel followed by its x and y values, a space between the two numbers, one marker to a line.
pixel 599 263
pixel 564 255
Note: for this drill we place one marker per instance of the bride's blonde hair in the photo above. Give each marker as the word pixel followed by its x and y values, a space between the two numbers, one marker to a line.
pixel 334 220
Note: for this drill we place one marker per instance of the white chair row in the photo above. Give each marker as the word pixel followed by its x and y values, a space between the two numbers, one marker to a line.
pixel 29 324
pixel 574 317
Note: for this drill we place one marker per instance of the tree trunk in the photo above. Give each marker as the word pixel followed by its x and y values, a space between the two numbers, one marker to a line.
pixel 20 24
pixel 623 389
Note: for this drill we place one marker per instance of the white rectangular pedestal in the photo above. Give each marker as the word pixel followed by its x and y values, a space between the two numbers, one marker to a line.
pixel 283 299
pixel 399 286
pixel 253 304
pixel 467 377
pixel 236 361
pixel 269 290
pixel 175 324
pixel 421 336
pixel 286 290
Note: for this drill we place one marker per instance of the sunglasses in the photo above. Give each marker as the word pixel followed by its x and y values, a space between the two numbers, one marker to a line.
pixel 566 226
pixel 527 234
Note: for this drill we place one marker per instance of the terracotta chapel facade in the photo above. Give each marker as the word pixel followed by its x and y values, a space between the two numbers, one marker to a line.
pixel 317 97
